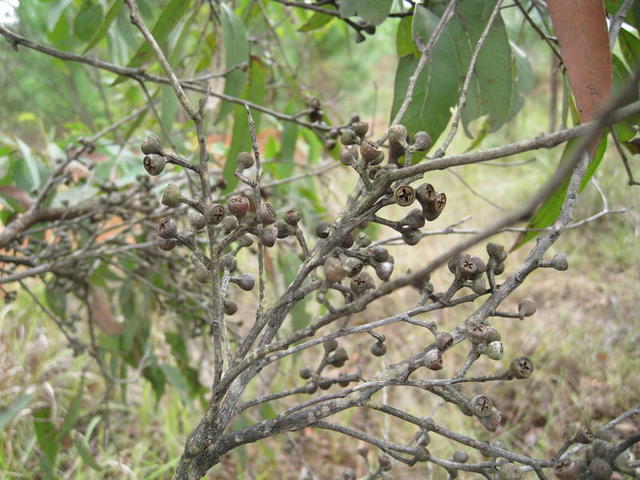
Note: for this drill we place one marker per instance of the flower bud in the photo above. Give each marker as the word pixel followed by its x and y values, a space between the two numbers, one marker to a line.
pixel 397 134
pixel 244 160
pixel 151 145
pixel 422 141
pixel 171 196
pixel 266 214
pixel 526 308
pixel 559 262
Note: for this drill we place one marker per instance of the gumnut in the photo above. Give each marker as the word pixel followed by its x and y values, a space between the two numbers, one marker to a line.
pixel 433 359
pixel 167 228
pixel 171 196
pixel 422 141
pixel 154 164
pixel 151 145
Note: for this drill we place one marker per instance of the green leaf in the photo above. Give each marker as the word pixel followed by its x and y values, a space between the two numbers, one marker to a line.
pixel 630 47
pixel 29 163
pixel 255 91
pixel 437 88
pixel 56 299
pixel 348 8
pixel 87 20
pixel 374 11
pixel 54 12
pixel 7 413
pixel 104 26
pixel 550 209
pixel 73 412
pixel 317 20
pixel 236 48
pixel 175 378
pixel 404 39
pixel 82 445
pixel 158 379
pixel 47 437
pixel 178 346
pixel 165 24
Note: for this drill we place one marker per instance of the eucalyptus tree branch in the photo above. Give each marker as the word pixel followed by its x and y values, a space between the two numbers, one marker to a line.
pixel 139 74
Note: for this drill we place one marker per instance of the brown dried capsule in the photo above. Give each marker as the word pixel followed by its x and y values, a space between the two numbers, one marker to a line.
pixel 494 350
pixel 371 152
pixel 491 422
pixel 411 236
pixel 323 229
pixel 443 341
pixel 229 307
pixel 292 216
pixel 238 205
pixel 348 137
pixel 378 348
pixel 465 267
pixel 324 383
pixel 312 387
pixel 384 270
pixel 353 265
pixel 363 240
pixel 171 196
pixel 268 236
pixel 460 456
pixel 343 380
pixel 498 269
pixel 434 211
pixel 214 214
pixel 482 333
pixel 330 144
pixel 197 220
pixel 201 274
pixel 154 164
pixel 334 270
pixel 422 141
pixel 566 469
pixel 526 307
pixel 266 214
pixel 305 373
pixel 385 462
pixel 378 253
pixel 581 434
pixel 414 219
pixel 421 454
pixel 433 359
pixel 361 283
pixel 167 244
pixel 397 134
pixel 600 469
pixel 479 285
pixel 348 241
pixel 363 451
pixel 404 195
pixel 360 128
pixel 330 345
pixel 228 262
pixel 480 405
pixel 349 154
pixel 521 367
pixel 497 252
pixel 246 281
pixel 559 262
pixel 282 229
pixel 339 357
pixel 425 194
pixel 151 145
pixel 167 228
pixel 244 160
pixel 229 224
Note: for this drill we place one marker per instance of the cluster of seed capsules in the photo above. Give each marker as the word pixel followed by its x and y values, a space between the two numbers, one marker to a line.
pixel 236 221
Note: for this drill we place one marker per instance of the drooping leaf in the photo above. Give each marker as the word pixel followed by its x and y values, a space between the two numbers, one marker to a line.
pixel 82 445
pixel 255 91
pixel 84 25
pixel 8 412
pixel 371 11
pixel 73 412
pixel 165 24
pixel 236 49
pixel 491 92
pixel 317 20
pixel 47 437
pixel 550 209
pixel 404 38
pixel 630 47
pixel 104 26
pixel 581 29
